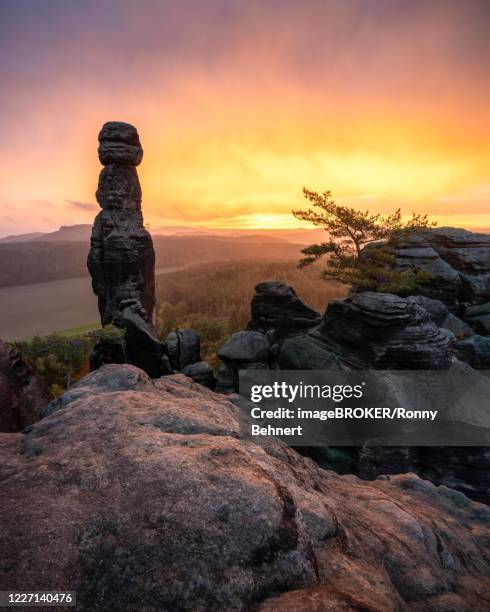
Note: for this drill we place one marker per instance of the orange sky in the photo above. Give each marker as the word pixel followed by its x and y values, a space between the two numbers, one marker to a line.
pixel 240 104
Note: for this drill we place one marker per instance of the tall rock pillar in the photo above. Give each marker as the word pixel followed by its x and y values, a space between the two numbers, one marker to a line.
pixel 121 260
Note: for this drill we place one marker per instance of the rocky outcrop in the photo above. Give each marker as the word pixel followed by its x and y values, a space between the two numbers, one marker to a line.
pixel 184 348
pixel 416 251
pixel 184 352
pixel 22 395
pixel 201 372
pixel 469 254
pixel 458 261
pixel 121 260
pixel 366 331
pixel 475 351
pixel 244 350
pixel 306 352
pixel 478 317
pixel 142 494
pixel 440 315
pixel 277 309
pixel 464 469
pixel 384 331
pixel 459 264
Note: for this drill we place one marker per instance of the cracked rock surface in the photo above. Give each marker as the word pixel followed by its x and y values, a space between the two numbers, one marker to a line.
pixel 142 494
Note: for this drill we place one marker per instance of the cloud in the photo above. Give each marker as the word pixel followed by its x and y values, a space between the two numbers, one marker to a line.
pixel 239 104
pixel 41 203
pixel 87 206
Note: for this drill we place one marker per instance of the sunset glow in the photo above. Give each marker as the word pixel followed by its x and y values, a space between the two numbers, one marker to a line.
pixel 240 104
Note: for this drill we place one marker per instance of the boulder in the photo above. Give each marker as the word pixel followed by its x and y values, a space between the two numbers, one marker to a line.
pixel 276 307
pixel 478 317
pixel 475 351
pixel 143 348
pixel 23 396
pixel 226 382
pixel 384 331
pixel 119 143
pixel 143 495
pixel 200 372
pixel 455 325
pixel 184 348
pixel 246 347
pixel 306 352
pixel 244 350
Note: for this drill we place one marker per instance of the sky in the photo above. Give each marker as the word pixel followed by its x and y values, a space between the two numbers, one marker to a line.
pixel 241 103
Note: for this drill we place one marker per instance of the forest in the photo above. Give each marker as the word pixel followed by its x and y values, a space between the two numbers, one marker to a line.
pixel 39 261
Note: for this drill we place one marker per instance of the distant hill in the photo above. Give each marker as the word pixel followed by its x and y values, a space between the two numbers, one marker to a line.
pixel 81 233
pixel 43 260
pixel 66 233
pixel 299 236
pixel 21 237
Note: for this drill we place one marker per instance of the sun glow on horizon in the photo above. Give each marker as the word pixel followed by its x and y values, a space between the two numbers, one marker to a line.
pixel 240 112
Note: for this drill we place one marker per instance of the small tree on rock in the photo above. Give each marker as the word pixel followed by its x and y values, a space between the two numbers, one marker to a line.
pixel 361 246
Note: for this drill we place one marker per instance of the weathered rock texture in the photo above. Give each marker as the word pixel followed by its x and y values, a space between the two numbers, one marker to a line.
pixel 384 331
pixel 366 331
pixel 121 260
pixel 275 307
pixel 184 348
pixel 141 495
pixel 458 260
pixel 244 350
pixel 22 395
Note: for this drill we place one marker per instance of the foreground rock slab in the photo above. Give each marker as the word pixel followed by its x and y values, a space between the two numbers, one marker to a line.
pixel 142 495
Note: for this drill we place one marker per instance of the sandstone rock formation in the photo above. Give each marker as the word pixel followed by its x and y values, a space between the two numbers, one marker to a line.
pixel 200 372
pixel 244 350
pixel 22 395
pixel 459 264
pixel 184 348
pixel 384 331
pixel 458 260
pixel 275 307
pixel 121 260
pixel 365 331
pixel 142 495
pixel 475 351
